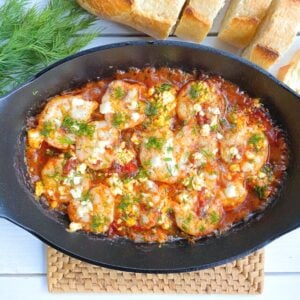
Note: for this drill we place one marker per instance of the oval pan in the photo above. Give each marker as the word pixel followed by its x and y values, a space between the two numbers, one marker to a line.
pixel 18 204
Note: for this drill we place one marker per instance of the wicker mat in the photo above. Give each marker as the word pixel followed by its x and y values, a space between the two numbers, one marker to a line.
pixel 243 276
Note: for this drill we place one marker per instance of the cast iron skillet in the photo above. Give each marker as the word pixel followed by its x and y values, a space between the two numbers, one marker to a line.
pixel 17 203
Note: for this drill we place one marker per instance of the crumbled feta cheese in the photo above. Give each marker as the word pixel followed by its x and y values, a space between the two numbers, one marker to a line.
pixel 35 139
pixel 205 130
pixel 77 180
pixel 135 116
pixel 197 107
pixel 250 154
pixel 231 191
pixel 198 182
pixel 167 97
pixel 234 151
pixel 156 161
pixel 76 192
pixel 81 168
pixel 219 136
pixel 74 227
pixel 106 108
pixel 133 105
pixel 248 167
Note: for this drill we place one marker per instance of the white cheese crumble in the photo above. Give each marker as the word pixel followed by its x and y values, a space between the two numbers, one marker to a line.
pixel 231 191
pixel 205 130
pixel 167 97
pixel 135 116
pixel 106 108
pixel 74 227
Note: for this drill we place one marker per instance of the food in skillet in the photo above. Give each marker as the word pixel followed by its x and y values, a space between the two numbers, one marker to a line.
pixel 156 154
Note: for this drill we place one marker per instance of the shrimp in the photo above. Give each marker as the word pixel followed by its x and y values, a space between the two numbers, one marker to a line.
pixel 196 217
pixel 63 118
pixel 161 107
pixel 200 98
pixel 64 179
pixel 98 151
pixel 246 149
pixel 233 192
pixel 145 207
pixel 193 142
pixel 122 105
pixel 94 211
pixel 157 156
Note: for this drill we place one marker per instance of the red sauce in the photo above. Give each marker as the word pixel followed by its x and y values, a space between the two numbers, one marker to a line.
pixel 151 77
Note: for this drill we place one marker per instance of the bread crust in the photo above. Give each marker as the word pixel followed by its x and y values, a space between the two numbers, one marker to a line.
pixel 197 19
pixel 156 18
pixel 290 73
pixel 275 34
pixel 242 20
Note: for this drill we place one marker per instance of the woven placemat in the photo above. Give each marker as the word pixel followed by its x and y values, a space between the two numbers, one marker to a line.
pixel 243 276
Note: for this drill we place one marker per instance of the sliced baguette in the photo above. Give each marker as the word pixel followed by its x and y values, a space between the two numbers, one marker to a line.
pixel 156 18
pixel 242 20
pixel 197 19
pixel 290 74
pixel 276 33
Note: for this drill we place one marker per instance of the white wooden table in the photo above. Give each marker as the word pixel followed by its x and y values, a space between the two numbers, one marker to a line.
pixel 23 257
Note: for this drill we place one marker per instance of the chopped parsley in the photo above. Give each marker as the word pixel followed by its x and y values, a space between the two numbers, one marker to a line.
pixel 207 153
pixel 164 87
pixel 48 128
pixel 78 128
pixel 268 170
pixel 255 140
pixel 214 217
pixel 167 159
pixel 65 140
pixel 118 119
pixel 119 93
pixel 202 228
pixel 194 91
pixel 151 109
pixel 142 173
pixel 214 128
pixel 261 191
pixel 85 196
pixel 97 221
pixel 154 143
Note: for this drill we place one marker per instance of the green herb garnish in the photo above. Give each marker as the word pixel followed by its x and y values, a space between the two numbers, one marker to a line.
pixel 65 140
pixel 154 143
pixel 164 87
pixel 214 128
pixel 78 128
pixel 97 221
pixel 118 119
pixel 85 196
pixel 261 191
pixel 47 129
pixel 207 153
pixel 32 38
pixel 214 217
pixel 151 109
pixel 119 93
pixel 142 174
pixel 255 140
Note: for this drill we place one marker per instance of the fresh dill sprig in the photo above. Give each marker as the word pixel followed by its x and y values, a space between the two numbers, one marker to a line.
pixel 32 38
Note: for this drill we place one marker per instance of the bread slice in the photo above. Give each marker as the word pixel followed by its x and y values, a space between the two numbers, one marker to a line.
pixel 197 19
pixel 242 20
pixel 290 74
pixel 276 33
pixel 153 17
